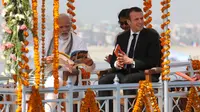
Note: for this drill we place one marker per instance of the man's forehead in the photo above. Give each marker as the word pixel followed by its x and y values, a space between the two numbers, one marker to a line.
pixel 63 17
pixel 136 14
pixel 64 21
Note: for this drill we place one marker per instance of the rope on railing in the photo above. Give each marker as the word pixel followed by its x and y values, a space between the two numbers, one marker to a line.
pixel 43 41
pixel 147 16
pixel 165 39
pixel 146 94
pixel 71 12
pixel 89 103
pixel 193 101
pixel 56 44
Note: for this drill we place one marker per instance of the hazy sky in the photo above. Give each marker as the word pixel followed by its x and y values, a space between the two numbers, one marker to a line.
pixel 93 11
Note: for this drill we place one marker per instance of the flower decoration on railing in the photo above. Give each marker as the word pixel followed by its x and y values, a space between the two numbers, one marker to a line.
pixel 89 103
pixel 35 101
pixel 71 12
pixel 147 10
pixel 193 101
pixel 56 43
pixel 17 17
pixel 36 43
pixel 195 66
pixel 86 76
pixel 165 39
pixel 19 96
pixel 43 41
pixel 146 96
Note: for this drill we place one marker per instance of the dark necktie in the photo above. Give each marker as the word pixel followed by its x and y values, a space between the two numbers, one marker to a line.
pixel 131 50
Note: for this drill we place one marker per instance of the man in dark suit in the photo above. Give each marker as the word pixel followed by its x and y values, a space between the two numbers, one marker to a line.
pixel 142 50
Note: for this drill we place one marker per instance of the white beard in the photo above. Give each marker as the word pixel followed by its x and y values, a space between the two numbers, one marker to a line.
pixel 65 37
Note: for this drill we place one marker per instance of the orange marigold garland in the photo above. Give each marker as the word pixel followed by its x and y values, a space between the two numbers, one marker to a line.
pixel 193 101
pixel 23 64
pixel 71 12
pixel 43 41
pixel 139 102
pixel 147 6
pixel 55 51
pixel 146 92
pixel 147 102
pixel 36 43
pixel 2 1
pixel 85 75
pixel 195 66
pixel 89 104
pixel 35 101
pixel 14 44
pixel 165 40
pixel 19 96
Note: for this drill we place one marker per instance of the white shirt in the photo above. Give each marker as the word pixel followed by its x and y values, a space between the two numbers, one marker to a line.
pixel 129 45
pixel 130 40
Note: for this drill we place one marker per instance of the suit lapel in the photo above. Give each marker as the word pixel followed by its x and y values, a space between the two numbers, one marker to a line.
pixel 126 40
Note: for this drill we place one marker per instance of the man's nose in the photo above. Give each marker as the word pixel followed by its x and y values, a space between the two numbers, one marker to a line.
pixel 141 20
pixel 66 28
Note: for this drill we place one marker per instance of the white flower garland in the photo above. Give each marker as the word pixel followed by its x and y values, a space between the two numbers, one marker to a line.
pixel 18 17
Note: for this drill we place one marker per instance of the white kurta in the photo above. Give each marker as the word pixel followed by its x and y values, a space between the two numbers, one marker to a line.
pixel 78 44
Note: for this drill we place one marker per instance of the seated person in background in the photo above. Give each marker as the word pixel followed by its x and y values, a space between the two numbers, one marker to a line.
pixel 122 20
pixel 141 50
pixel 68 43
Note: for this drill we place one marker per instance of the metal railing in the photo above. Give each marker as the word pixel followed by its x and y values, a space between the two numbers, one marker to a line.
pixel 176 99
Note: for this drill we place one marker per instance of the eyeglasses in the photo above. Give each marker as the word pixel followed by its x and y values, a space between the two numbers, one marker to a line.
pixel 123 23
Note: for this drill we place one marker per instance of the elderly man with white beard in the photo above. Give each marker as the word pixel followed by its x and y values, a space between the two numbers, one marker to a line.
pixel 68 43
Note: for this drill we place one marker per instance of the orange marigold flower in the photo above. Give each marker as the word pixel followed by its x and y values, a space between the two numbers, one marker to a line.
pixel 26 34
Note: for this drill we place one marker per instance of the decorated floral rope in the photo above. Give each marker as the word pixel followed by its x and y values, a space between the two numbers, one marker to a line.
pixel 147 6
pixel 70 10
pixel 165 39
pixel 23 64
pixel 145 93
pixel 43 41
pixel 3 3
pixel 89 104
pixel 85 75
pixel 19 97
pixel 17 16
pixel 193 101
pixel 36 43
pixel 139 102
pixel 55 51
pixel 35 101
pixel 195 66
pixel 147 102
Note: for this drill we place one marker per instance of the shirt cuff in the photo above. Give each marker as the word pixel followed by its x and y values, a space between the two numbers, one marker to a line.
pixel 133 64
pixel 115 65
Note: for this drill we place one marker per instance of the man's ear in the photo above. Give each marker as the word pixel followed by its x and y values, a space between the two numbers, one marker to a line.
pixel 129 22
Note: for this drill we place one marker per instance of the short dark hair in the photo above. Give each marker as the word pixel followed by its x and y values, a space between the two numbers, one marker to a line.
pixel 123 13
pixel 133 9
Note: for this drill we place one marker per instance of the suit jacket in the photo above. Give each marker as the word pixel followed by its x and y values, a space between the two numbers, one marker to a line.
pixel 147 51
